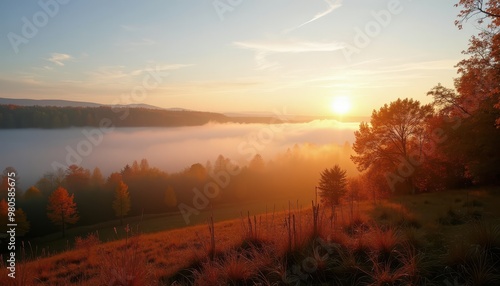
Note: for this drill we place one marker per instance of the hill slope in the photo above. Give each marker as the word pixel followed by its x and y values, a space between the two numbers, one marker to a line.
pixel 408 240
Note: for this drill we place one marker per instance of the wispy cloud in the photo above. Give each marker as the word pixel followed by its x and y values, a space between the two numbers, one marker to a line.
pixel 109 73
pixel 129 28
pixel 378 74
pixel 142 42
pixel 290 46
pixel 118 75
pixel 263 49
pixel 59 59
pixel 161 68
pixel 331 7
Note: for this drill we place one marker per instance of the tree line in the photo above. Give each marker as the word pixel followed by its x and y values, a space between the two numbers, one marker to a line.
pixel 13 116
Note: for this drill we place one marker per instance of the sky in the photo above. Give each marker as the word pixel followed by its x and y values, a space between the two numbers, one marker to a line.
pixel 230 55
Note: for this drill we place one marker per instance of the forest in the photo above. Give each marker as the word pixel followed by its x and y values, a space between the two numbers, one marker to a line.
pixel 14 116
pixel 153 191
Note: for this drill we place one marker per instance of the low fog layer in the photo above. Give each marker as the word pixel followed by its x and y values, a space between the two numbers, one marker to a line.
pixel 34 152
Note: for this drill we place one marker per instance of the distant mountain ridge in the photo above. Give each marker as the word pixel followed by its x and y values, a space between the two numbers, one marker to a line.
pixel 70 103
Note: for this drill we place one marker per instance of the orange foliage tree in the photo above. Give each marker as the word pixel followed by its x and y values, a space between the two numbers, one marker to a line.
pixel 480 73
pixel 61 209
pixel 392 143
pixel 77 179
pixel 483 8
pixel 121 204
pixel 470 116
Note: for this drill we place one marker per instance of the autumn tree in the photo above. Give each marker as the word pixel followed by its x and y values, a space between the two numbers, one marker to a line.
pixel 221 163
pixel 77 178
pixel 354 191
pixel 479 73
pixel 479 84
pixel 97 179
pixel 170 197
pixel 469 148
pixel 50 181
pixel 32 193
pixel 482 8
pixel 121 204
pixel 113 181
pixel 61 209
pixel 257 163
pixel 470 114
pixel 144 166
pixel 332 185
pixel 23 225
pixel 393 141
pixel 197 171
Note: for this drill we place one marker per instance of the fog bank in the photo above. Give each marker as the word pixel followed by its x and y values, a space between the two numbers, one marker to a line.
pixel 36 151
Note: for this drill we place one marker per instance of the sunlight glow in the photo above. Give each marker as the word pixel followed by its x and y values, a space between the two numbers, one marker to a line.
pixel 341 105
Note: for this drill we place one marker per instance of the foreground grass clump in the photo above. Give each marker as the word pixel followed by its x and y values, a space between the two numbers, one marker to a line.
pixel 395 242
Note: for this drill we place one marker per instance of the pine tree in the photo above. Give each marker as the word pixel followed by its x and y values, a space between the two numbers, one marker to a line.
pixel 333 185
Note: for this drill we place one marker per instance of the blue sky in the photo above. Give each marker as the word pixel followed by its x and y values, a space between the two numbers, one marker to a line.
pixel 230 55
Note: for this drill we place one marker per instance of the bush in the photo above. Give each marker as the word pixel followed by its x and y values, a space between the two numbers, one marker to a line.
pixel 91 240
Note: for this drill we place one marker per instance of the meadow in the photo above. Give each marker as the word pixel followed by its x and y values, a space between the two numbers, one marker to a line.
pixel 445 238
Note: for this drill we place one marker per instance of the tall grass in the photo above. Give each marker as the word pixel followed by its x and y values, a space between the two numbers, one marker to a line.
pixel 127 266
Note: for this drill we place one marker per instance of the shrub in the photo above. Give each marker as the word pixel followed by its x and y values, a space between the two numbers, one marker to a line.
pixel 383 242
pixel 91 240
pixel 486 235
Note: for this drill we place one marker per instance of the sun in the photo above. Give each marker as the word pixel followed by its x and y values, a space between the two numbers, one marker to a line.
pixel 341 105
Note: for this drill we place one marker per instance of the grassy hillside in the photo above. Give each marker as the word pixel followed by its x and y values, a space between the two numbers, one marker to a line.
pixel 54 243
pixel 449 238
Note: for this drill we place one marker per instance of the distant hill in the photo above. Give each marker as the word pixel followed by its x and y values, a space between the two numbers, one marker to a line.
pixel 65 103
pixel 50 113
